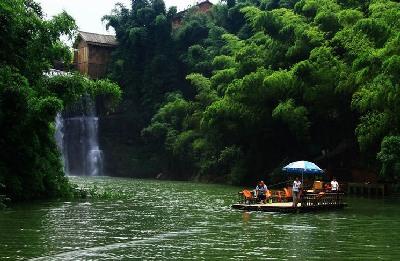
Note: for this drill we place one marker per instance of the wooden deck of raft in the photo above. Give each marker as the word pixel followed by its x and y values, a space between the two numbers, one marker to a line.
pixel 309 203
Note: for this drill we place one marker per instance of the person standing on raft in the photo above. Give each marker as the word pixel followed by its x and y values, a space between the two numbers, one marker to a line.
pixel 334 185
pixel 296 191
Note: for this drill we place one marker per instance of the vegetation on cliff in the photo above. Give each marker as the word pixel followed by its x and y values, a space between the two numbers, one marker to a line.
pixel 236 92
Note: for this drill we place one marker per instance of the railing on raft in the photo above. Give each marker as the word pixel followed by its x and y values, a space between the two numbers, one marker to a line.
pixel 322 198
pixel 307 198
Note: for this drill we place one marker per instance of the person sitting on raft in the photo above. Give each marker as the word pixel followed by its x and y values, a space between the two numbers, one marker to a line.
pixel 261 192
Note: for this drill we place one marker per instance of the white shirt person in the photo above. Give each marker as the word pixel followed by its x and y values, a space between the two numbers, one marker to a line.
pixel 334 185
pixel 296 185
pixel 296 191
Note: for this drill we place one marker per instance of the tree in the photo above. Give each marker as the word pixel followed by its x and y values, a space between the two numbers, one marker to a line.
pixel 144 62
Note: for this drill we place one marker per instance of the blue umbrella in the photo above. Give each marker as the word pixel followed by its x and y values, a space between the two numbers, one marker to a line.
pixel 303 167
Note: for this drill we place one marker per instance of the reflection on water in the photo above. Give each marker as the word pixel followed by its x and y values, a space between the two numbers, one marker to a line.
pixel 170 220
pixel 246 217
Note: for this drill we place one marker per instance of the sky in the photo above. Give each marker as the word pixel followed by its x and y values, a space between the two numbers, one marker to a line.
pixel 88 13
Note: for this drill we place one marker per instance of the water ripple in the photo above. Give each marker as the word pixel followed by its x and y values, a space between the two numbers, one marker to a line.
pixel 186 221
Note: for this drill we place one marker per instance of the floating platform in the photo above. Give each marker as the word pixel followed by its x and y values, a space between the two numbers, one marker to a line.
pixel 287 207
pixel 309 202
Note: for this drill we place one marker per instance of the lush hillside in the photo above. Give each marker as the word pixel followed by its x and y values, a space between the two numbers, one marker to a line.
pixel 238 92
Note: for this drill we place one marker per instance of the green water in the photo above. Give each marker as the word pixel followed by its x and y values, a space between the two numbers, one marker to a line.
pixel 177 220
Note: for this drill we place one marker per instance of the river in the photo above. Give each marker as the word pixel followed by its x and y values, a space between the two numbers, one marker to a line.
pixel 188 221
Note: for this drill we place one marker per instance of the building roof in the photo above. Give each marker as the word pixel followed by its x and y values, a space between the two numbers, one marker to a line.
pixel 199 4
pixel 204 2
pixel 98 39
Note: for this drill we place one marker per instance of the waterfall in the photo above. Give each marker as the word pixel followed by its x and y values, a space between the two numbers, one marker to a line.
pixel 59 136
pixel 77 138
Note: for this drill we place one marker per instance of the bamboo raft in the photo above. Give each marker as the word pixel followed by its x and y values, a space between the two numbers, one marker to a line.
pixel 310 202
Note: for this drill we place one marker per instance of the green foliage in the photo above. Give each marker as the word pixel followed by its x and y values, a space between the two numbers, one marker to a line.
pixel 371 129
pixel 349 17
pixel 261 82
pixel 30 164
pixel 27 37
pixel 389 156
pixel 294 117
pixel 145 59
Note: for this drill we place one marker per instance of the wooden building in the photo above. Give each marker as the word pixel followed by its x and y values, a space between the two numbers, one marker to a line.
pixel 204 6
pixel 201 7
pixel 93 53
